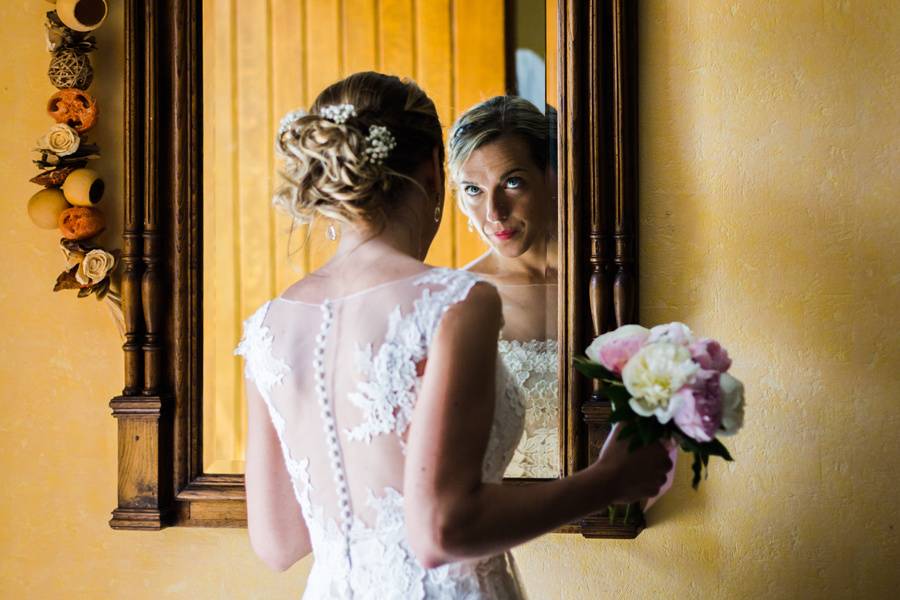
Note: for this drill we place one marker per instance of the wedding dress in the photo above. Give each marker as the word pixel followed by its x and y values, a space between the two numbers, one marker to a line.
pixel 340 379
pixel 533 367
pixel 529 349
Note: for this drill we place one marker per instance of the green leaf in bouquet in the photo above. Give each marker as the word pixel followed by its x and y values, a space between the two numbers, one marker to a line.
pixel 650 430
pixel 697 468
pixel 717 448
pixel 620 413
pixel 627 431
pixel 617 393
pixel 589 368
pixel 621 410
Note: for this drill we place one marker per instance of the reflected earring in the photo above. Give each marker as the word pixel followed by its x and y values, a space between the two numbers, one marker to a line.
pixel 470 226
pixel 437 213
pixel 331 233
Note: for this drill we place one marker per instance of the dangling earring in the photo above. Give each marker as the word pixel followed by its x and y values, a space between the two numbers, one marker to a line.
pixel 470 226
pixel 437 213
pixel 330 232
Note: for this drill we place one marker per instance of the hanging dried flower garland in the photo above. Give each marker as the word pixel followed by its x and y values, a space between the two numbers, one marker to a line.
pixel 72 191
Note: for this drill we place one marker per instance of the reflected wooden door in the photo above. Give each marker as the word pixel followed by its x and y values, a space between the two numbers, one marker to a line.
pixel 262 58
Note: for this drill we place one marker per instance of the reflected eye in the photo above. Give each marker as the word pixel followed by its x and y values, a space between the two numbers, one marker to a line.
pixel 471 190
pixel 514 182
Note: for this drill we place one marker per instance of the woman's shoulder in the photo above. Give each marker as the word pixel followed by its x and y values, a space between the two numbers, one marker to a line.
pixel 460 283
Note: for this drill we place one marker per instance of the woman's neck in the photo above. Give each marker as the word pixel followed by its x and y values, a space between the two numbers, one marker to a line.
pixel 538 264
pixel 361 248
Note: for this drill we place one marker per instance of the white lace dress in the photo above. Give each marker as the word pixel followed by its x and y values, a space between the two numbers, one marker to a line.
pixel 340 380
pixel 533 367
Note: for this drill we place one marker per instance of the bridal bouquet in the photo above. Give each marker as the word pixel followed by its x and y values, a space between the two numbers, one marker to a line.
pixel 667 385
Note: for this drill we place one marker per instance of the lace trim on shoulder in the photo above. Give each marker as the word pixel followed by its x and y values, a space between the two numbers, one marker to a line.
pixel 266 371
pixel 256 347
pixel 389 388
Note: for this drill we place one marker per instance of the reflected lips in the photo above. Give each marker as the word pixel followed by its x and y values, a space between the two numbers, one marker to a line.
pixel 505 234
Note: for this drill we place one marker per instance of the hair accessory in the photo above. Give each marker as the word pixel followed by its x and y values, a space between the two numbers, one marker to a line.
pixel 288 120
pixel 437 213
pixel 339 113
pixel 330 233
pixel 379 144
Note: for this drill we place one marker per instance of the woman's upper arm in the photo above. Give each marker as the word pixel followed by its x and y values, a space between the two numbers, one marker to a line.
pixel 452 420
pixel 278 534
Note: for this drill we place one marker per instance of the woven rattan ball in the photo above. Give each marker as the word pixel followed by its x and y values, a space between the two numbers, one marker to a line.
pixel 70 69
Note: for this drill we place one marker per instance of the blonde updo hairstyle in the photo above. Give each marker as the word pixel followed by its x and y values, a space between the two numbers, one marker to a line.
pixel 326 170
pixel 498 116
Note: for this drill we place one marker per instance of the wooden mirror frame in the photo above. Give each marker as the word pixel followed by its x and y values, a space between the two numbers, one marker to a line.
pixel 159 413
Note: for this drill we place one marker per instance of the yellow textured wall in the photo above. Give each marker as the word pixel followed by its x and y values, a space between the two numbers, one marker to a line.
pixel 769 152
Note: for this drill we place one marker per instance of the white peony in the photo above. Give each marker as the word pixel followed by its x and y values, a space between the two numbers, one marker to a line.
pixel 61 140
pixel 732 404
pixel 674 333
pixel 94 267
pixel 654 375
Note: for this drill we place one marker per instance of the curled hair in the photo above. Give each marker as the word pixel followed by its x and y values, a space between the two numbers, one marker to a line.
pixel 498 116
pixel 326 169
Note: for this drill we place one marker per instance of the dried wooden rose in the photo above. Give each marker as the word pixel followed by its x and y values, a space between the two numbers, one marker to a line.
pixel 94 267
pixel 61 140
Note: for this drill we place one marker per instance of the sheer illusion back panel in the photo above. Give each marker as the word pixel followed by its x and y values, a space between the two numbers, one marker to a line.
pixel 340 378
pixel 370 364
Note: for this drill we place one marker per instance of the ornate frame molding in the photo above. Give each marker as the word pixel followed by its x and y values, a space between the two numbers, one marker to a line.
pixel 159 413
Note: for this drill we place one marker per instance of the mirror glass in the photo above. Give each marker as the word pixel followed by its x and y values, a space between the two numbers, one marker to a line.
pixel 263 58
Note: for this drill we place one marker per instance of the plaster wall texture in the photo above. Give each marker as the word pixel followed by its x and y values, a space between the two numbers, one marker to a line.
pixel 769 219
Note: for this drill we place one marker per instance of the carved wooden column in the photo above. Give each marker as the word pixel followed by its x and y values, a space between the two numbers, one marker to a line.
pixel 609 190
pixel 144 490
pixel 623 37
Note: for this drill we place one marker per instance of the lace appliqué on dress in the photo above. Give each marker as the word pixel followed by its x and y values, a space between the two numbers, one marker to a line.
pixel 267 371
pixel 384 567
pixel 533 367
pixel 389 387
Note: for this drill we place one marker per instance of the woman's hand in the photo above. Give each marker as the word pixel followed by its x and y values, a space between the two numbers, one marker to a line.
pixel 631 476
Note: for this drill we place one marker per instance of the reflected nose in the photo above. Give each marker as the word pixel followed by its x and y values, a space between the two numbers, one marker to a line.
pixel 497 209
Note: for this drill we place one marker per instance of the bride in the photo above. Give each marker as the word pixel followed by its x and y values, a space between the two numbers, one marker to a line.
pixel 380 419
pixel 502 161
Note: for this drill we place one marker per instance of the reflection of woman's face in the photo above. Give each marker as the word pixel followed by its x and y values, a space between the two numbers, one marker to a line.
pixel 506 195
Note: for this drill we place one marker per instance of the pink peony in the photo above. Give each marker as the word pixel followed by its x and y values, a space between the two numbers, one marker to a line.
pixel 700 413
pixel 710 355
pixel 615 348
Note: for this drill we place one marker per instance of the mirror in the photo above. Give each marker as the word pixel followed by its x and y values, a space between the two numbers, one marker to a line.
pixel 163 412
pixel 263 58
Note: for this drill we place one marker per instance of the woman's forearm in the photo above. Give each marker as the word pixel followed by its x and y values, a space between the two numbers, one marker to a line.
pixel 495 517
